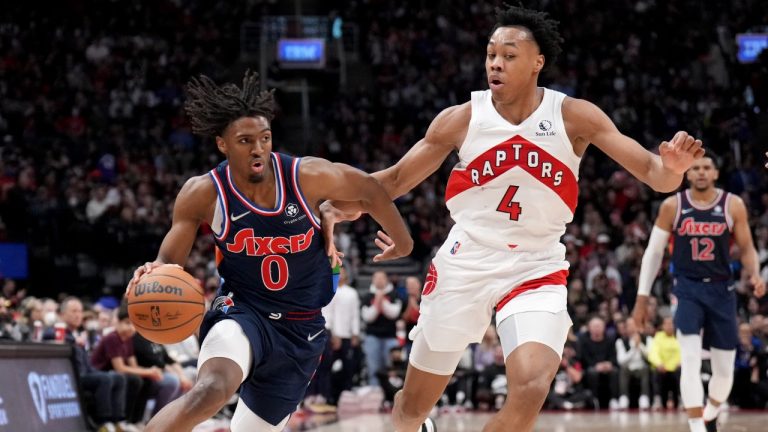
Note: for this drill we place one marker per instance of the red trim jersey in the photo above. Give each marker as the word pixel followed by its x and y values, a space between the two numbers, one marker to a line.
pixel 516 186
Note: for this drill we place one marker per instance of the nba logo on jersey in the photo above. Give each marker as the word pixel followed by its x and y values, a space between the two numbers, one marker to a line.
pixel 455 248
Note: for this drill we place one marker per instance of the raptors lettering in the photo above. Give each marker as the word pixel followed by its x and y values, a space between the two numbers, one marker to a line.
pixel 516 154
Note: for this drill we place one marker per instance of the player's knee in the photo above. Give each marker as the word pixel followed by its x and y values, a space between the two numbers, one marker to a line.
pixel 409 405
pixel 532 386
pixel 209 394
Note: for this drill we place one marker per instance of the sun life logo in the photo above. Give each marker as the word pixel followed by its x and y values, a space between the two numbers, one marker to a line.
pixel 545 126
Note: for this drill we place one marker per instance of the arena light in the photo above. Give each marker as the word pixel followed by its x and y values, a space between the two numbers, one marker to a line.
pixel 750 46
pixel 301 53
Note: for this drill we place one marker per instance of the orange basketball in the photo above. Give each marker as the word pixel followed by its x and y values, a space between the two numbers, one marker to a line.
pixel 167 305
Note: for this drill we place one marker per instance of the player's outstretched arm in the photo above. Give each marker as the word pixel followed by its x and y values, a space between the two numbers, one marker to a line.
pixel 652 258
pixel 193 203
pixel 743 238
pixel 586 123
pixel 323 180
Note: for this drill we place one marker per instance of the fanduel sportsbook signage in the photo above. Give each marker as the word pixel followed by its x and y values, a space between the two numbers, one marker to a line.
pixel 38 391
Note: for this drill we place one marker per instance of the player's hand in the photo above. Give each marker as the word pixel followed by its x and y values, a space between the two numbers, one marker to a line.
pixel 766 155
pixel 640 312
pixel 678 155
pixel 141 271
pixel 389 250
pixel 758 284
pixel 329 216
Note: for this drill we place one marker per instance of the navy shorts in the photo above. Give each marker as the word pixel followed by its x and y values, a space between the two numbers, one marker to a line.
pixel 286 353
pixel 710 306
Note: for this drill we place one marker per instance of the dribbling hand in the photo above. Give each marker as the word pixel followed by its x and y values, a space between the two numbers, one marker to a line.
pixel 678 155
pixel 640 312
pixel 141 271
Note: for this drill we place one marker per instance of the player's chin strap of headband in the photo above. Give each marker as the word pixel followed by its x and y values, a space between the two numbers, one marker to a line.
pixel 652 258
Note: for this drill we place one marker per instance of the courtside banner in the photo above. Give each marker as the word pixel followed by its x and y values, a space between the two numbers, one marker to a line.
pixel 38 389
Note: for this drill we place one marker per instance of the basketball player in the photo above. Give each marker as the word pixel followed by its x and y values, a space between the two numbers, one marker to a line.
pixel 264 333
pixel 511 196
pixel 702 220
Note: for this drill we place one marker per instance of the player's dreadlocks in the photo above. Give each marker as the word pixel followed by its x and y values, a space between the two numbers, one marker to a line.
pixel 543 28
pixel 211 108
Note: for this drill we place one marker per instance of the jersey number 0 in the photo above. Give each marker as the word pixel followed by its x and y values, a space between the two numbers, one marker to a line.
pixel 270 282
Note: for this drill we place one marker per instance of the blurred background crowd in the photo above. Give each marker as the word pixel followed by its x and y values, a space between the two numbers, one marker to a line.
pixel 94 145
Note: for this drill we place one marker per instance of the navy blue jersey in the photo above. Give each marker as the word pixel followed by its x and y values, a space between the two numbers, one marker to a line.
pixel 271 260
pixel 702 238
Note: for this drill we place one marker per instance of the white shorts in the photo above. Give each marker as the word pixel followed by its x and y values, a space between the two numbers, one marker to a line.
pixel 550 329
pixel 467 281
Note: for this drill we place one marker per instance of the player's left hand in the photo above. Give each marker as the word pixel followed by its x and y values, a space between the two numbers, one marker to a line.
pixel 766 155
pixel 389 250
pixel 678 155
pixel 329 215
pixel 758 284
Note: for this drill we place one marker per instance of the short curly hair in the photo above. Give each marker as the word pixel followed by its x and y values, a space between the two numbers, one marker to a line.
pixel 543 28
pixel 211 108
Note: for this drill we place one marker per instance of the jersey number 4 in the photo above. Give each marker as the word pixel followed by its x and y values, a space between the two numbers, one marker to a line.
pixel 512 208
pixel 280 279
pixel 701 249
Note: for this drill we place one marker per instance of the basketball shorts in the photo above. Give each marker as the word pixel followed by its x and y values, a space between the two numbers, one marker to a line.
pixel 707 306
pixel 468 281
pixel 285 354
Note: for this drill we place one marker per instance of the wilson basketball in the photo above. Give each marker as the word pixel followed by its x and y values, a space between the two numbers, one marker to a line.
pixel 167 305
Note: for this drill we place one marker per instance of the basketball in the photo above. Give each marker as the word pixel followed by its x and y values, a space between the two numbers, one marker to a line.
pixel 167 305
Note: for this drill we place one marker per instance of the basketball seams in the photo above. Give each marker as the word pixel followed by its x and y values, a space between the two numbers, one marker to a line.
pixel 168 328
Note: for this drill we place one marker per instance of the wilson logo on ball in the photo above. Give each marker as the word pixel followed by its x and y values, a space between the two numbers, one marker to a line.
pixel 155 287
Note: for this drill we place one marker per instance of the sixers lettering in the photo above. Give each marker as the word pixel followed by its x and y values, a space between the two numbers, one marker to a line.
pixel 703 221
pixel 264 334
pixel 511 196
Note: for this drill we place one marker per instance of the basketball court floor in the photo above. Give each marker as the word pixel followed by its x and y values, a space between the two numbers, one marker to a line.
pixel 559 422
pixel 631 421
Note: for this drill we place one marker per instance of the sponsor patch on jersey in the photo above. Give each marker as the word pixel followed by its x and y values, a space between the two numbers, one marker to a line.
pixel 291 210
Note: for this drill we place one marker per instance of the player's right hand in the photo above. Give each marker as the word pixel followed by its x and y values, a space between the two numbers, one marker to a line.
pixel 640 312
pixel 141 271
pixel 389 250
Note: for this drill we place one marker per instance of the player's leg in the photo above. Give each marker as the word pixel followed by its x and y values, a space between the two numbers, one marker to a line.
pixel 689 320
pixel 245 420
pixel 533 343
pixel 425 380
pixel 722 332
pixel 225 360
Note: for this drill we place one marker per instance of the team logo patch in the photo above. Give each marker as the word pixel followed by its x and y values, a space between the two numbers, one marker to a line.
pixel 222 303
pixel 291 210
pixel 455 248
pixel 430 281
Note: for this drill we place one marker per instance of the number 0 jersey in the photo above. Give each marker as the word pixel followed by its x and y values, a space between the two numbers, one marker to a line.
pixel 702 238
pixel 516 186
pixel 272 260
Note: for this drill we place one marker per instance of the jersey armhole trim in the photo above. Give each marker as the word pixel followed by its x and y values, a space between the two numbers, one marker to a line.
pixel 677 211
pixel 223 204
pixel 303 201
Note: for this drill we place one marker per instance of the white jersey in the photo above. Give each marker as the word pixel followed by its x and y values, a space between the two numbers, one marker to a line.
pixel 516 186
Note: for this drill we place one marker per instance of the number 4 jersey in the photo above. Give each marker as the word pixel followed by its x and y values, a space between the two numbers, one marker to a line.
pixel 272 260
pixel 516 186
pixel 702 238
